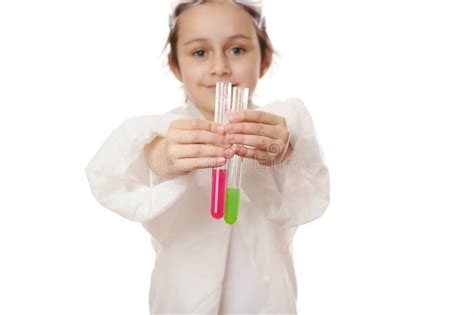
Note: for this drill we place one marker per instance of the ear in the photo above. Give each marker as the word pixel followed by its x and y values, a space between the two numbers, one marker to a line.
pixel 174 68
pixel 266 62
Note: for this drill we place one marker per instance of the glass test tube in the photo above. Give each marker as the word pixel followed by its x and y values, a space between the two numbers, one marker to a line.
pixel 219 174
pixel 240 98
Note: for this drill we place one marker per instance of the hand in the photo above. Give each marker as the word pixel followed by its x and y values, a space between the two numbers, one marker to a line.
pixel 190 144
pixel 267 133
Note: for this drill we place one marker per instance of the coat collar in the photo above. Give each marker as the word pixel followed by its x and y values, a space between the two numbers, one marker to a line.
pixel 193 110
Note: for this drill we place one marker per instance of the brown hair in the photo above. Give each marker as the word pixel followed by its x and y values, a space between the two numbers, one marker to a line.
pixel 266 47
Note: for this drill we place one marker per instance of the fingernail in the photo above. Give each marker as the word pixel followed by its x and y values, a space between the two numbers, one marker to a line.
pixel 228 128
pixel 230 138
pixel 232 118
pixel 220 129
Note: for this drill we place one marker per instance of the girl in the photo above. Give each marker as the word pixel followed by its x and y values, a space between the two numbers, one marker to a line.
pixel 154 170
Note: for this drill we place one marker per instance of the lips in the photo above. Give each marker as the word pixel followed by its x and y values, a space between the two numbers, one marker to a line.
pixel 214 86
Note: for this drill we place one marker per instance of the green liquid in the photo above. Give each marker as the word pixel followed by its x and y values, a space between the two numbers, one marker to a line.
pixel 232 198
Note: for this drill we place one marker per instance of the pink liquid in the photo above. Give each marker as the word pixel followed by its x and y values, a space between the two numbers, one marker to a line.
pixel 219 180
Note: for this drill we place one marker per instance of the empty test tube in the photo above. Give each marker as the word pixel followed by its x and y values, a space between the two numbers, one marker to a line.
pixel 240 98
pixel 219 174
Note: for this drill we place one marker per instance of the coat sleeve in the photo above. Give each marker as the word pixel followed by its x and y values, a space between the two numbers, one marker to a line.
pixel 295 191
pixel 119 176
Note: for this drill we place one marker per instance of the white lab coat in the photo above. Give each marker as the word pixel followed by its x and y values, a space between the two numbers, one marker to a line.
pixel 199 267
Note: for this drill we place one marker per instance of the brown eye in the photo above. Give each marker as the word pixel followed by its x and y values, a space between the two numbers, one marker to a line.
pixel 199 53
pixel 237 50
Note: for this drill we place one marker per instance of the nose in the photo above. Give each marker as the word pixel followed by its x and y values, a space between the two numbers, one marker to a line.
pixel 220 65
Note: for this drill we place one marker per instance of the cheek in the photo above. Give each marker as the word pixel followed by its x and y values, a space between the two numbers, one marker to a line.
pixel 248 69
pixel 190 73
pixel 189 69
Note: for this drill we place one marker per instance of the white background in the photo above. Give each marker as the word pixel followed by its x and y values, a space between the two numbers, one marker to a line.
pixel 390 88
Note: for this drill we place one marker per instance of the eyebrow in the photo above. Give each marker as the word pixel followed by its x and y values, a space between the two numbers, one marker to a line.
pixel 228 38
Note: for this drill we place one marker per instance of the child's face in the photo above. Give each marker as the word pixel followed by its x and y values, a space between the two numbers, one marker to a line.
pixel 217 41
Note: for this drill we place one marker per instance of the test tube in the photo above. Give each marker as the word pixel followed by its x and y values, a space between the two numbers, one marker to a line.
pixel 240 98
pixel 219 174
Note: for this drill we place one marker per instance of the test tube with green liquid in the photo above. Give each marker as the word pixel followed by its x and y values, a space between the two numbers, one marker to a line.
pixel 240 98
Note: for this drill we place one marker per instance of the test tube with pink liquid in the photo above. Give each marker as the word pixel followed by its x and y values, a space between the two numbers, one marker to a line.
pixel 219 174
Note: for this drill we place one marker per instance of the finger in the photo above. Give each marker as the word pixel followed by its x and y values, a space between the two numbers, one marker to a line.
pixel 190 164
pixel 196 150
pixel 196 137
pixel 264 157
pixel 244 152
pixel 256 116
pixel 258 142
pixel 198 124
pixel 228 153
pixel 224 145
pixel 261 156
pixel 257 129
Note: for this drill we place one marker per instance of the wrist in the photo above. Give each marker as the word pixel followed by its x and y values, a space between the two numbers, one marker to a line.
pixel 157 160
pixel 289 150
